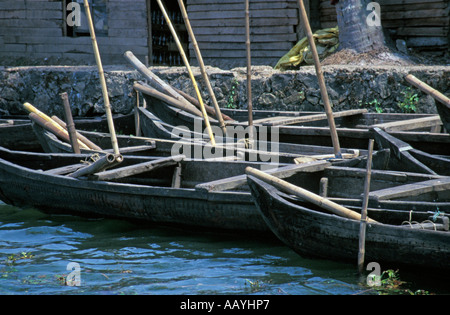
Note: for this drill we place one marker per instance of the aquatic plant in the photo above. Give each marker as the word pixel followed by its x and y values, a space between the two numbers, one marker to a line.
pixel 255 286
pixel 11 260
pixel 392 284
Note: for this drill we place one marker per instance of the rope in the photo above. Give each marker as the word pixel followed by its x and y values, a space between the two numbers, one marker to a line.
pixel 91 159
pixel 436 214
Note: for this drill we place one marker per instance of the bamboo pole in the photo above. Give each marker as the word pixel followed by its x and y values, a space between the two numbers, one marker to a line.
pixel 55 126
pixel 186 62
pixel 363 222
pixel 88 143
pixel 148 90
pixel 305 194
pixel 194 101
pixel 428 89
pixel 98 60
pixel 159 84
pixel 202 67
pixel 49 126
pixel 319 72
pixel 106 161
pixel 249 71
pixel 70 124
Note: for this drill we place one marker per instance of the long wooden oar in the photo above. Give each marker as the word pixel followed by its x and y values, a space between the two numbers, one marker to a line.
pixel 70 124
pixel 107 105
pixel 202 67
pixel 191 74
pixel 148 90
pixel 249 70
pixel 363 223
pixel 305 194
pixel 319 72
pixel 157 83
pixel 80 137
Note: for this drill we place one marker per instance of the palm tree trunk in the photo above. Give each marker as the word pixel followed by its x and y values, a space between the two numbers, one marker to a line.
pixel 354 30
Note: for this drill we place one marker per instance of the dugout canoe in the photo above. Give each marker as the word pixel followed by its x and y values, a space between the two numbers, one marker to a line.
pixel 191 147
pixel 422 131
pixel 160 197
pixel 16 132
pixel 396 239
pixel 403 157
pixel 444 113
pixel 200 193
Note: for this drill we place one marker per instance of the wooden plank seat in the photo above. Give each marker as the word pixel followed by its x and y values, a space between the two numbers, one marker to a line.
pixel 134 149
pixel 289 120
pixel 122 172
pixel 410 124
pixel 239 180
pixel 426 190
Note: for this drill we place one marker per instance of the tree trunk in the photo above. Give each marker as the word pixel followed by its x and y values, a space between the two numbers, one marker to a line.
pixel 356 26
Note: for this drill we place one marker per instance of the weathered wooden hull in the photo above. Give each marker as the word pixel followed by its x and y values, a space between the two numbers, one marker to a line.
pixel 22 186
pixel 354 131
pixel 313 233
pixel 165 143
pixel 198 150
pixel 212 194
pixel 444 113
pixel 16 133
pixel 412 160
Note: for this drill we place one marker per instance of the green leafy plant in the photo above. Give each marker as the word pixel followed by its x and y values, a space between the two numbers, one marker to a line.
pixel 232 96
pixel 409 102
pixel 375 103
pixel 256 286
pixel 392 284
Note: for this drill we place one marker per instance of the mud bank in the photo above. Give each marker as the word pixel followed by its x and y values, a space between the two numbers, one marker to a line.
pixel 380 88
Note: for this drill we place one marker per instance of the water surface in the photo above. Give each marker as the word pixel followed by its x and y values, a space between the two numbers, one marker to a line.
pixel 120 257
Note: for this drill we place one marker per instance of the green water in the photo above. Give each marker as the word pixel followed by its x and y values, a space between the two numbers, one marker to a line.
pixel 118 257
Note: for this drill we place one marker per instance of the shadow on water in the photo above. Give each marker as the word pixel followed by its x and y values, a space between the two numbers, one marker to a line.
pixel 123 257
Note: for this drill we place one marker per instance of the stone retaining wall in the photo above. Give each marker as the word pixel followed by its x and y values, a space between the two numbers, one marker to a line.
pixel 374 88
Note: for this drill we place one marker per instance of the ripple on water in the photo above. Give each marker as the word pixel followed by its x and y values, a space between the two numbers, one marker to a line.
pixel 117 257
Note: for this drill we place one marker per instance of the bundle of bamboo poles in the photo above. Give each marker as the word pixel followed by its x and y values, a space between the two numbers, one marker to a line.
pixel 58 127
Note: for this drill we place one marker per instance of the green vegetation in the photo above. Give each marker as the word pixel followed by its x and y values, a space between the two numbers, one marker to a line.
pixel 409 102
pixel 232 96
pixel 256 286
pixel 374 103
pixel 11 260
pixel 391 284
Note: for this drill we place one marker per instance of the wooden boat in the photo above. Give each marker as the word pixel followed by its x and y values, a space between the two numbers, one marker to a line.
pixel 403 157
pixel 282 153
pixel 16 132
pixel 161 196
pixel 421 131
pixel 395 240
pixel 208 193
pixel 444 113
pixel 442 101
